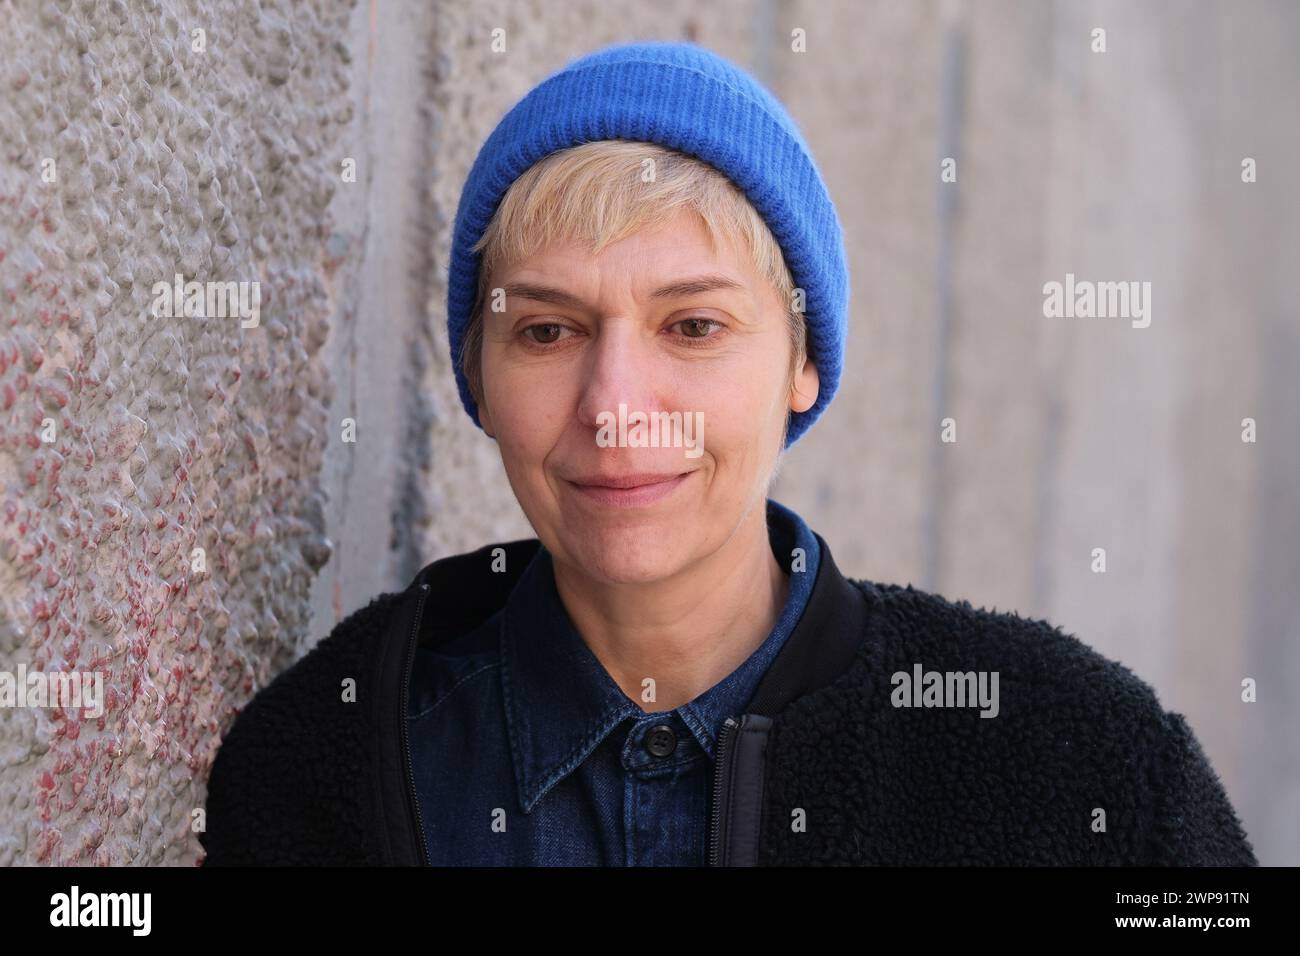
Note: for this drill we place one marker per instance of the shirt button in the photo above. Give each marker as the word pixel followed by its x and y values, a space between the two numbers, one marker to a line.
pixel 661 741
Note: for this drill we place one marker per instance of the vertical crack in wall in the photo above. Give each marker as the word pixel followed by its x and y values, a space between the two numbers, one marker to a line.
pixel 952 81
pixel 1066 83
pixel 412 511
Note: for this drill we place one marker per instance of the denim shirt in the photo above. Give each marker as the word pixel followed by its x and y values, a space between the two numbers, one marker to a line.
pixel 526 751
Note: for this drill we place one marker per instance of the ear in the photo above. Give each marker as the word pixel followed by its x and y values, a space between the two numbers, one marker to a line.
pixel 485 419
pixel 804 387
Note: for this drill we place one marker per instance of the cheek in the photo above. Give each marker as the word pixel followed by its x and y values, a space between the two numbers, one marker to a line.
pixel 528 410
pixel 739 401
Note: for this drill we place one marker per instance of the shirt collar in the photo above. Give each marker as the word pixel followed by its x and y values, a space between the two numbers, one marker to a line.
pixel 561 702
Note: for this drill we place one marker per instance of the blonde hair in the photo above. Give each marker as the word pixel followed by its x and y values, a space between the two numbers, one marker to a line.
pixel 596 193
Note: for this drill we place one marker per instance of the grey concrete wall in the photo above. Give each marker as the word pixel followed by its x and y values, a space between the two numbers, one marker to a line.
pixel 1072 434
pixel 1076 433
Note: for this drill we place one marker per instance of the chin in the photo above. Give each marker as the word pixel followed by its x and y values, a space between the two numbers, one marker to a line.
pixel 630 553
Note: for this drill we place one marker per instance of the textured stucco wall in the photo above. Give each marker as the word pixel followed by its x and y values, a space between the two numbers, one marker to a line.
pixel 170 434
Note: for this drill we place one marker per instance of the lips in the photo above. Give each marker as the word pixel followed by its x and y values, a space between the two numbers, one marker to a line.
pixel 626 491
pixel 623 481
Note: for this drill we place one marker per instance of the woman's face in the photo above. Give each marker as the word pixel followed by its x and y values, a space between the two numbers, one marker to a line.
pixel 660 322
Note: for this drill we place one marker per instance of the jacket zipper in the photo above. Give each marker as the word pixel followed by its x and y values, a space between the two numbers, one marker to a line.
pixel 722 772
pixel 403 709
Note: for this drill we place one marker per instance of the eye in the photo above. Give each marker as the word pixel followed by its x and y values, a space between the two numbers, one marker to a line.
pixel 548 333
pixel 698 327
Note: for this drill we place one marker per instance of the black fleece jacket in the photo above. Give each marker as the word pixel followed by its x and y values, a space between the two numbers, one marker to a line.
pixel 1080 766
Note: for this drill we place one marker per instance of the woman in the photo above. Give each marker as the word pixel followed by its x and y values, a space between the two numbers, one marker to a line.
pixel 648 305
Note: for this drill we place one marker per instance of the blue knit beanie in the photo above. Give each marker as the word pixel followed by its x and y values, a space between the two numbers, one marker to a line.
pixel 686 98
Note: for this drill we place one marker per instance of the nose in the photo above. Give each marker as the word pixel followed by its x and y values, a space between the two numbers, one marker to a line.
pixel 622 366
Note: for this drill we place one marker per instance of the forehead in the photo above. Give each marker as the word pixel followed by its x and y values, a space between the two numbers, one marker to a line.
pixel 650 258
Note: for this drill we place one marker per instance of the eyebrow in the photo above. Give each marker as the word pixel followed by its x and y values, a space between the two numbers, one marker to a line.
pixel 674 290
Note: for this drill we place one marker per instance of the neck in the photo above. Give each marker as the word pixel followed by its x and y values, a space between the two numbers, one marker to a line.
pixel 686 631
